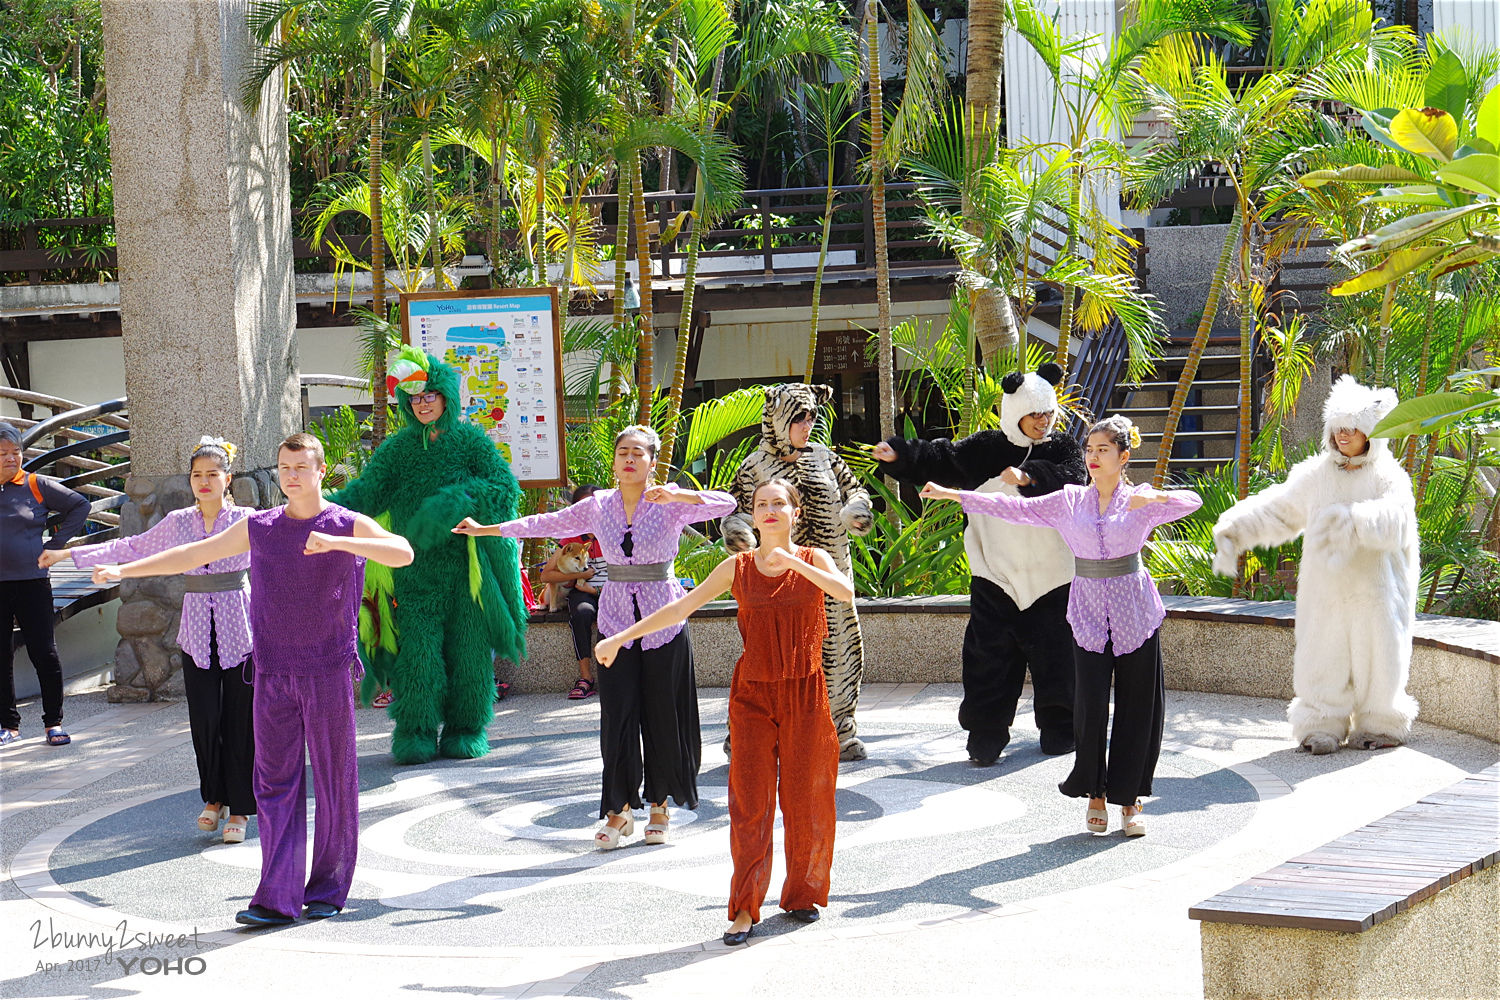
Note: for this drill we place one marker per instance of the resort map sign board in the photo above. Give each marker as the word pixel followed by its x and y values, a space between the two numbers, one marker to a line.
pixel 507 347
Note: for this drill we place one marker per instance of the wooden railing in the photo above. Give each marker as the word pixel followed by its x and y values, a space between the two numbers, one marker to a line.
pixel 774 227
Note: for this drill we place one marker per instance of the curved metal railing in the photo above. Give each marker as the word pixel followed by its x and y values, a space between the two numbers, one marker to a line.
pixel 93 457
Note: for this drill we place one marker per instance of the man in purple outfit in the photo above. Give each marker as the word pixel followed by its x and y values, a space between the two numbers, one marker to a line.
pixel 306 577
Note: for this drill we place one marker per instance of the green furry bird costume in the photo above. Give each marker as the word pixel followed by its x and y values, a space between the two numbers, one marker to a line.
pixel 459 603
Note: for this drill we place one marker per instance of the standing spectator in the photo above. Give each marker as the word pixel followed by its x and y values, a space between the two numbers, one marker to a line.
pixel 27 504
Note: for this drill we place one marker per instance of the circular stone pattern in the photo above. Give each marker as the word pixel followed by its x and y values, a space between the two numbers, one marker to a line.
pixel 499 852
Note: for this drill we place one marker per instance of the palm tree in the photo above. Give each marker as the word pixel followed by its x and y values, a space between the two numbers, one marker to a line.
pixel 830 109
pixel 1255 136
pixel 293 30
pixel 1093 81
pixel 778 40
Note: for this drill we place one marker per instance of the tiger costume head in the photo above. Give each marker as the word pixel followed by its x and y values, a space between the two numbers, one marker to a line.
pixel 1032 392
pixel 784 404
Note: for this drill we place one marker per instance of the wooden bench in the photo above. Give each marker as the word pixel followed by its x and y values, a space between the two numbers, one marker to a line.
pixel 1407 906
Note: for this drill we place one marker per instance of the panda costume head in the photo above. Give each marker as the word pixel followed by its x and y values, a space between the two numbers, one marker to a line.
pixel 1360 407
pixel 1032 392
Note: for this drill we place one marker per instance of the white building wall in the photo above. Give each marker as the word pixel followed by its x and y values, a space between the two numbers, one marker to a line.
pixel 1468 25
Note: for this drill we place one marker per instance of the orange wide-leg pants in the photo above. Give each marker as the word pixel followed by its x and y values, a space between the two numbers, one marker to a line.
pixel 781 726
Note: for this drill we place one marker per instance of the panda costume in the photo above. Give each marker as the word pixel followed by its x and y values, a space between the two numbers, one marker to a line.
pixel 1356 583
pixel 1021 574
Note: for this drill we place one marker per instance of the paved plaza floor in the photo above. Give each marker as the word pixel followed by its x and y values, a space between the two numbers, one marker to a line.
pixel 479 877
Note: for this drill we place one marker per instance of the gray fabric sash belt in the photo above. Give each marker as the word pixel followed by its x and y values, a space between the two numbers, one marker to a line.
pixel 1098 569
pixel 213 583
pixel 638 572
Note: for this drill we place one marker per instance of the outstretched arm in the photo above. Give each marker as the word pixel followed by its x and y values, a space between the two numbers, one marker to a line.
pixel 857 516
pixel 718 580
pixel 964 464
pixel 158 538
pixel 1046 511
pixel 574 520
pixel 1273 516
pixel 369 541
pixel 233 541
pixel 821 571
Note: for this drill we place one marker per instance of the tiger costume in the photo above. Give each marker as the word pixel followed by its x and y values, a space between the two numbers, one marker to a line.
pixel 833 505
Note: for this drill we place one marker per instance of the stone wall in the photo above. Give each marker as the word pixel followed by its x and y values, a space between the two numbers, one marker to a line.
pixel 148 661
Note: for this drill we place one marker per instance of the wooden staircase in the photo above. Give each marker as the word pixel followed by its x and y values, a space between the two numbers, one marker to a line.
pixel 1208 433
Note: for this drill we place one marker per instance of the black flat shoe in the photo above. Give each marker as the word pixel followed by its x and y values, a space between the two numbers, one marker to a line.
pixel 1057 746
pixel 321 911
pixel 259 916
pixel 733 938
pixel 810 915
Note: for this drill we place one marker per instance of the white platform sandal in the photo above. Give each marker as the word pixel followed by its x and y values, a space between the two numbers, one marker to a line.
pixel 656 830
pixel 608 837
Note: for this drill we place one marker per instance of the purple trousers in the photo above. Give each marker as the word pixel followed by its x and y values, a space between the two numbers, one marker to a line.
pixel 317 711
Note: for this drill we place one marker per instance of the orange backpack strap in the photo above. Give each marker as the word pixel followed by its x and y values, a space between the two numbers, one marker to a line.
pixel 36 489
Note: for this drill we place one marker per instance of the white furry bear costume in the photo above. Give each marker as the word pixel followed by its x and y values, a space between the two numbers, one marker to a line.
pixel 1022 574
pixel 834 505
pixel 1357 584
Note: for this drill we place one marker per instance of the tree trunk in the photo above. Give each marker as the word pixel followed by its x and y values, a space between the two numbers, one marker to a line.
pixel 1065 321
pixel 646 342
pixel 1195 352
pixel 434 243
pixel 882 257
pixel 540 256
pixel 817 286
pixel 623 185
pixel 378 401
pixel 1247 355
pixel 986 61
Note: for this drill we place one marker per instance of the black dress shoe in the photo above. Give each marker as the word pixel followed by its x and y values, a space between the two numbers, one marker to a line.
pixel 320 910
pixel 733 938
pixel 984 752
pixel 810 915
pixel 259 916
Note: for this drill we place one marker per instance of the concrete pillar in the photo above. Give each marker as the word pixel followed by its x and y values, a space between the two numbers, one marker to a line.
pixel 203 225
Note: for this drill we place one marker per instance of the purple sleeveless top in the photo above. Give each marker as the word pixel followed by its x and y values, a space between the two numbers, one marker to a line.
pixel 304 610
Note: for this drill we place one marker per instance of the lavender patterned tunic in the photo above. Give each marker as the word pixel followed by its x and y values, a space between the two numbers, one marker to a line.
pixel 654 536
pixel 1126 609
pixel 228 612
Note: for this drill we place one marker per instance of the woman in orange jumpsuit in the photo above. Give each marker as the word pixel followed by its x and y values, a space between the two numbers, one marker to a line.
pixel 778 709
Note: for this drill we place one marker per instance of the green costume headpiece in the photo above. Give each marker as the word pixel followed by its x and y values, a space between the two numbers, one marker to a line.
pixel 411 372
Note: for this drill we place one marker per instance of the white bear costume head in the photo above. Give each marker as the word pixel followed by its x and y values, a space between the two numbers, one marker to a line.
pixel 1033 392
pixel 1353 405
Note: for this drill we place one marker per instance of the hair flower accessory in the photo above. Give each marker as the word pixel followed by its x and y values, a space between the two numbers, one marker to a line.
pixel 1135 437
pixel 227 447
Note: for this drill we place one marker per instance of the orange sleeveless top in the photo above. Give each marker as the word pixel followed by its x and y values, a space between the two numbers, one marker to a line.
pixel 781 621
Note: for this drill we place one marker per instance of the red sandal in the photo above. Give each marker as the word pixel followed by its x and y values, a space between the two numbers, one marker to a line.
pixel 582 688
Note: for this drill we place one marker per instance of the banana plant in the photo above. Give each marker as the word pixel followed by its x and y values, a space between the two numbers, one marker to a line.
pixel 1448 167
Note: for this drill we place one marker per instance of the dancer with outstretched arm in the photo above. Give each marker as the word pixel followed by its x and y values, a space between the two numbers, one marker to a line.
pixel 306 578
pixel 215 635
pixel 1115 614
pixel 651 696
pixel 784 736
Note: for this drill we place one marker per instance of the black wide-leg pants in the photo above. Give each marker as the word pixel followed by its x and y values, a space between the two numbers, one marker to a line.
pixel 1001 643
pixel 220 712
pixel 648 726
pixel 1118 768
pixel 29 604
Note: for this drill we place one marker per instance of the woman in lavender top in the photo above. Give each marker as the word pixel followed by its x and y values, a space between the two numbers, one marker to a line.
pixel 649 694
pixel 1115 614
pixel 214 636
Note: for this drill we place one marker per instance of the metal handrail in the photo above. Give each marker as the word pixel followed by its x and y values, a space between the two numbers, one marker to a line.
pixel 69 417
